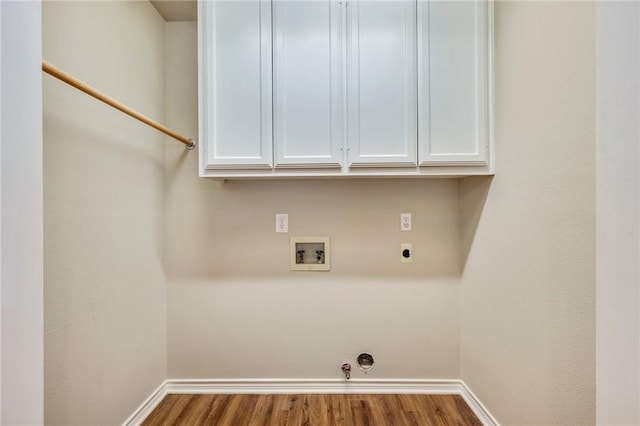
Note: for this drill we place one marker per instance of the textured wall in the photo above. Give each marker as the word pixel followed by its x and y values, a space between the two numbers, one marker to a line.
pixel 235 309
pixel 105 293
pixel 618 213
pixel 527 293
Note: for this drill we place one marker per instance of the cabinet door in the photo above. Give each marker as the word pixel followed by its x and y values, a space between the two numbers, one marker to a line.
pixel 382 83
pixel 307 83
pixel 453 66
pixel 235 79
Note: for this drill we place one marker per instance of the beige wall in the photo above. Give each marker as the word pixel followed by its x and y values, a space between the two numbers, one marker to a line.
pixel 105 293
pixel 527 305
pixel 237 311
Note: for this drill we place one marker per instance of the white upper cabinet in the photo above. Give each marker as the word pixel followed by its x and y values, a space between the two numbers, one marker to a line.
pixel 235 84
pixel 453 84
pixel 307 83
pixel 299 88
pixel 382 83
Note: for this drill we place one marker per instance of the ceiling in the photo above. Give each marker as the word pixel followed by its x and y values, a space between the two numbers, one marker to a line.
pixel 176 10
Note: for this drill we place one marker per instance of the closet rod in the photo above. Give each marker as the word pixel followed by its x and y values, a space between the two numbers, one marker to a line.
pixel 80 85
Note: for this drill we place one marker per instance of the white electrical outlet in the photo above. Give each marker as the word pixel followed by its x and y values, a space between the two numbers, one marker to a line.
pixel 282 223
pixel 405 221
pixel 406 253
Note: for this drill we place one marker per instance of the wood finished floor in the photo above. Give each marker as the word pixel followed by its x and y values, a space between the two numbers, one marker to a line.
pixel 347 410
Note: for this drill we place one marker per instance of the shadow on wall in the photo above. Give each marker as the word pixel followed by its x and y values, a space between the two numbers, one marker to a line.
pixel 229 228
pixel 473 195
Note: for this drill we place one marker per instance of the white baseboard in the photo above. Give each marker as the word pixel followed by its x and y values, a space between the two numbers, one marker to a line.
pixel 143 411
pixel 293 386
pixel 476 406
pixel 299 386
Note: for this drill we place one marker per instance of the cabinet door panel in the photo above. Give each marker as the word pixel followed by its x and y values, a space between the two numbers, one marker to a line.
pixel 236 78
pixel 382 83
pixel 307 106
pixel 453 82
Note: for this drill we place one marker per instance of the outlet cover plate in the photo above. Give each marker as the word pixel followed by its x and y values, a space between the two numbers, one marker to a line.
pixel 405 221
pixel 282 223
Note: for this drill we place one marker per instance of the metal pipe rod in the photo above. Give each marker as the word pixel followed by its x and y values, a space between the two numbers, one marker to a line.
pixel 82 86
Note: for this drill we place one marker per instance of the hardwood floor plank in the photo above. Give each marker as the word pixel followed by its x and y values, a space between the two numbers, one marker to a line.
pixel 321 410
pixel 317 410
pixel 295 410
pixel 226 411
pixel 197 409
pixel 376 405
pixel 399 411
pixel 339 407
pixel 262 412
pixel 168 411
